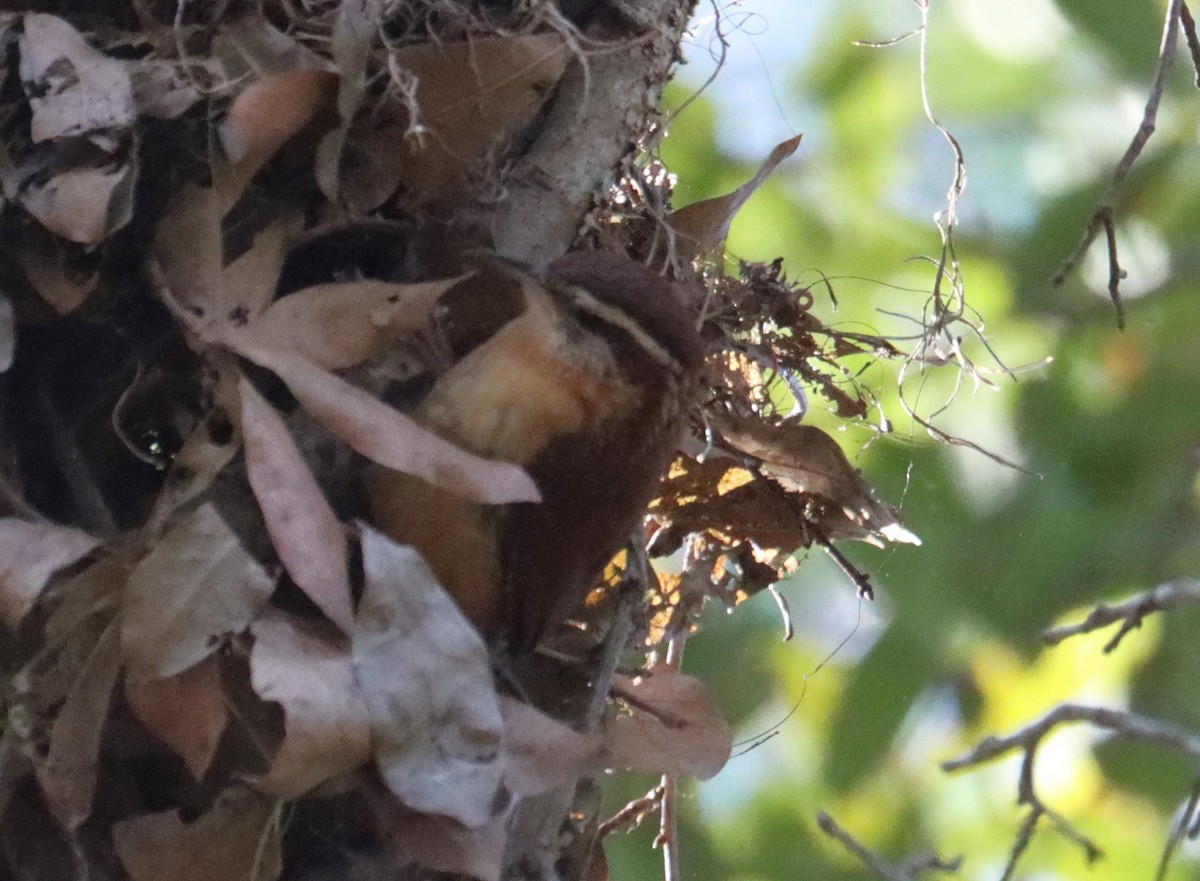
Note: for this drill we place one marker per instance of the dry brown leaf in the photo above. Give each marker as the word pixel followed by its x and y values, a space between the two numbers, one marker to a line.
pixel 541 753
pixel 72 89
pixel 164 89
pixel 704 225
pixel 388 437
pixel 248 283
pixel 469 97
pixel 84 204
pixel 196 585
pixel 237 839
pixel 8 333
pixel 187 711
pixel 328 725
pixel 340 325
pixel 354 33
pixel 691 738
pixel 803 458
pixel 303 527
pixel 249 46
pixel 427 679
pixel 29 554
pixel 443 845
pixel 67 775
pixel 54 283
pixel 187 244
pixel 265 116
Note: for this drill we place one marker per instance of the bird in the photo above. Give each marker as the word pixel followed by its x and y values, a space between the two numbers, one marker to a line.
pixel 582 374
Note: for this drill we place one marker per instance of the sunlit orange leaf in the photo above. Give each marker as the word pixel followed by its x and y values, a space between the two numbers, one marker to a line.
pixel 187 711
pixel 426 676
pixel 196 585
pixel 691 737
pixel 29 554
pixel 237 839
pixel 302 525
pixel 384 435
pixel 327 723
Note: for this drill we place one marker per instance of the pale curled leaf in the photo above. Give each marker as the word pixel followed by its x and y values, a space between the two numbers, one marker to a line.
pixel 72 88
pixel 237 839
pixel 303 527
pixel 704 225
pixel 340 325
pixel 436 727
pixel 85 204
pixel 326 719
pixel 187 711
pixel 384 435
pixel 541 753
pixel 29 554
pixel 67 774
pixel 691 737
pixel 196 585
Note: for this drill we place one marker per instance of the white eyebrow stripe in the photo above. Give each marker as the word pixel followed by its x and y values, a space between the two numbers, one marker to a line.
pixel 617 318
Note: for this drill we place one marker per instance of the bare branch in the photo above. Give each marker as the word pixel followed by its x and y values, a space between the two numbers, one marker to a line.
pixel 1130 613
pixel 1102 219
pixel 1130 726
pixel 877 864
pixel 1189 34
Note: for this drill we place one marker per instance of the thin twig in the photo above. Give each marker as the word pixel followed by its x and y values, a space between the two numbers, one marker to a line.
pixel 1130 613
pixel 877 864
pixel 1129 726
pixel 1102 219
pixel 631 816
pixel 1189 34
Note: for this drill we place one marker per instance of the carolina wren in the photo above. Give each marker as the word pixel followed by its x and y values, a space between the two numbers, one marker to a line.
pixel 583 378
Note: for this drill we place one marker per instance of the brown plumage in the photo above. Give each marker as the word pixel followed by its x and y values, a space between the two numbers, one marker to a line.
pixel 583 378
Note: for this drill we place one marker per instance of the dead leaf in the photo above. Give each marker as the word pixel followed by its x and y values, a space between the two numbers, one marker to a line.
pixel 84 203
pixel 303 527
pixel 327 722
pixel 384 435
pixel 250 46
pixel 354 33
pixel 443 845
pixel 541 753
pixel 265 116
pixel 704 225
pixel 424 670
pixel 165 89
pixel 187 244
pixel 67 775
pixel 29 554
pixel 457 102
pixel 8 333
pixel 187 711
pixel 340 325
pixel 196 585
pixel 238 839
pixel 53 281
pixel 804 459
pixel 72 89
pixel 690 737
